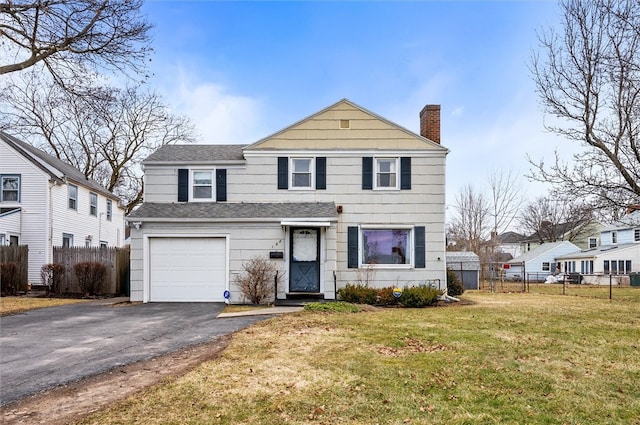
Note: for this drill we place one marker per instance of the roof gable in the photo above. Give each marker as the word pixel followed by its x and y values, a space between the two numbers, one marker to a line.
pixel 366 130
pixel 54 167
pixel 545 249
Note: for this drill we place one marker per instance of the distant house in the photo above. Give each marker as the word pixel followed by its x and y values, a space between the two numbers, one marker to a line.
pixel 510 243
pixel 538 263
pixel 584 235
pixel 618 255
pixel 466 265
pixel 45 202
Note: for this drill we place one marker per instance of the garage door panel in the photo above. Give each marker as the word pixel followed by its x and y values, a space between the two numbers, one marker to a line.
pixel 187 269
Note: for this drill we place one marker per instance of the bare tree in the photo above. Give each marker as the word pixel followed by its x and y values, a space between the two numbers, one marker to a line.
pixel 71 37
pixel 105 135
pixel 470 225
pixel 588 77
pixel 505 199
pixel 554 219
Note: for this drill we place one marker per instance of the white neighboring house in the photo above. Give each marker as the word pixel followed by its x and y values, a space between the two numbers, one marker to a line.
pixel 538 263
pixel 45 202
pixel 618 255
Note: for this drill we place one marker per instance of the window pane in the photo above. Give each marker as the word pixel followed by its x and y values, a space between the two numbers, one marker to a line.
pixel 10 189
pixel 301 180
pixel 301 165
pixel 202 178
pixel 202 192
pixel 386 246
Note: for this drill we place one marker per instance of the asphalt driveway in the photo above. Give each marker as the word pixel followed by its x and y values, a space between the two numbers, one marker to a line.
pixel 45 348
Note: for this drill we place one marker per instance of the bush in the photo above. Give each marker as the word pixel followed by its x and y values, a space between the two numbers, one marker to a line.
pixel 52 276
pixel 90 276
pixel 9 278
pixel 358 294
pixel 386 297
pixel 419 296
pixel 258 280
pixel 454 286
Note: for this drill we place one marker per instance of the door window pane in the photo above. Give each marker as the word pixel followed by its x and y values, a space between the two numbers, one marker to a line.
pixel 305 245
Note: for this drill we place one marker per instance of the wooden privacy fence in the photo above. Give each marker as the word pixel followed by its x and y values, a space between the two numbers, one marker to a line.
pixel 116 261
pixel 19 256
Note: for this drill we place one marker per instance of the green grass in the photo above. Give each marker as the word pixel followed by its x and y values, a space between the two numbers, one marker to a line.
pixel 12 305
pixel 500 359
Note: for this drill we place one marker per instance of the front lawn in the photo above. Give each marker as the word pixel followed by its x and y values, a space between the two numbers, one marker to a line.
pixel 11 305
pixel 503 359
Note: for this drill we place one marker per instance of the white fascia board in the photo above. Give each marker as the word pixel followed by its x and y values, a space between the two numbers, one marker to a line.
pixel 303 221
pixel 427 153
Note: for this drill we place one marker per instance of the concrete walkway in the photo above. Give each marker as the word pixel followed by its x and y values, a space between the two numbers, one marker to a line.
pixel 261 311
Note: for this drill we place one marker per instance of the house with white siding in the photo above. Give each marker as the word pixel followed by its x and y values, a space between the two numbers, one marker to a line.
pixel 341 193
pixel 540 262
pixel 615 259
pixel 45 202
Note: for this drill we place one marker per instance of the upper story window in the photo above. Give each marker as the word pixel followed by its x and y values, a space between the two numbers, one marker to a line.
pixel 301 173
pixel 593 242
pixel 636 235
pixel 109 210
pixel 386 173
pixel 73 197
pixel 10 188
pixel 614 237
pixel 93 204
pixel 202 185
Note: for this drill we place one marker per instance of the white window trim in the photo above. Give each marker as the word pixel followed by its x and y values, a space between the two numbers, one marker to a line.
pixel 69 198
pixel 93 207
pixel 109 212
pixel 548 266
pixel 192 184
pixel 312 171
pixel 595 243
pixel 375 173
pixel 68 236
pixel 2 177
pixel 412 247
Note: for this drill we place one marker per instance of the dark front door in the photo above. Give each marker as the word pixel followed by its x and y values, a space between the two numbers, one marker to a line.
pixel 305 260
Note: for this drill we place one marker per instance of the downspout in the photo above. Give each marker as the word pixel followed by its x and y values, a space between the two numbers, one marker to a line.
pixel 50 241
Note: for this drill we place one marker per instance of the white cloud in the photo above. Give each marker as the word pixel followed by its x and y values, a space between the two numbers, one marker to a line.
pixel 220 117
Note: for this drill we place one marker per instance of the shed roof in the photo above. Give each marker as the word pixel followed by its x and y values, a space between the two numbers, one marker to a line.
pixel 463 259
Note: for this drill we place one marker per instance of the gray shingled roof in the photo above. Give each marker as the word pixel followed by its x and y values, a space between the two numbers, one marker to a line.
pixel 217 211
pixel 196 153
pixel 34 155
pixel 469 260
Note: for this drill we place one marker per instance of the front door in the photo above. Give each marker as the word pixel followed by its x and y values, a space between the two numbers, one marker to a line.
pixel 305 260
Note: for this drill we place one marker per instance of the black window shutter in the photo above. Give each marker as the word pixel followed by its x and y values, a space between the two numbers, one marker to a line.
pixel 183 185
pixel 221 185
pixel 419 235
pixel 405 173
pixel 321 172
pixel 352 247
pixel 283 172
pixel 367 173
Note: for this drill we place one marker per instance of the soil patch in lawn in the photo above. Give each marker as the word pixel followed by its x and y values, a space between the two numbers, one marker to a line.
pixel 77 400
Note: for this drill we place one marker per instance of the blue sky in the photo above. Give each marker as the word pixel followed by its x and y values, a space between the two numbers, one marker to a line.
pixel 243 70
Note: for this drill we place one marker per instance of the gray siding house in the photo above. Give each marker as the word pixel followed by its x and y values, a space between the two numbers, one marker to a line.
pixel 341 192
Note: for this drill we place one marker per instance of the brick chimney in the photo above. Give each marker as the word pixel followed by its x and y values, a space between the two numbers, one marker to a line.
pixel 430 123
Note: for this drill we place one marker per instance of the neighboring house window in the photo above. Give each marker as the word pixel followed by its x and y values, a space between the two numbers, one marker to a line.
pixel 67 240
pixel 545 267
pixel 586 267
pixel 301 173
pixel 109 209
pixel 593 242
pixel 386 173
pixel 10 188
pixel 614 237
pixel 73 197
pixel 636 235
pixel 104 244
pixel 606 268
pixel 569 266
pixel 93 204
pixel 386 246
pixel 3 239
pixel 617 267
pixel 202 188
pixel 14 240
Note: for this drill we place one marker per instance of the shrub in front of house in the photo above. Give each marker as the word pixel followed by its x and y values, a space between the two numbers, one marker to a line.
pixel 9 278
pixel 90 275
pixel 419 296
pixel 454 286
pixel 257 282
pixel 386 297
pixel 52 276
pixel 358 294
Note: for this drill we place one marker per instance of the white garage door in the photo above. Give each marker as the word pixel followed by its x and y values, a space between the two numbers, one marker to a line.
pixel 187 269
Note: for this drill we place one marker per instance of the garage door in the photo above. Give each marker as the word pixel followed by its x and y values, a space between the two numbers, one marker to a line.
pixel 187 269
